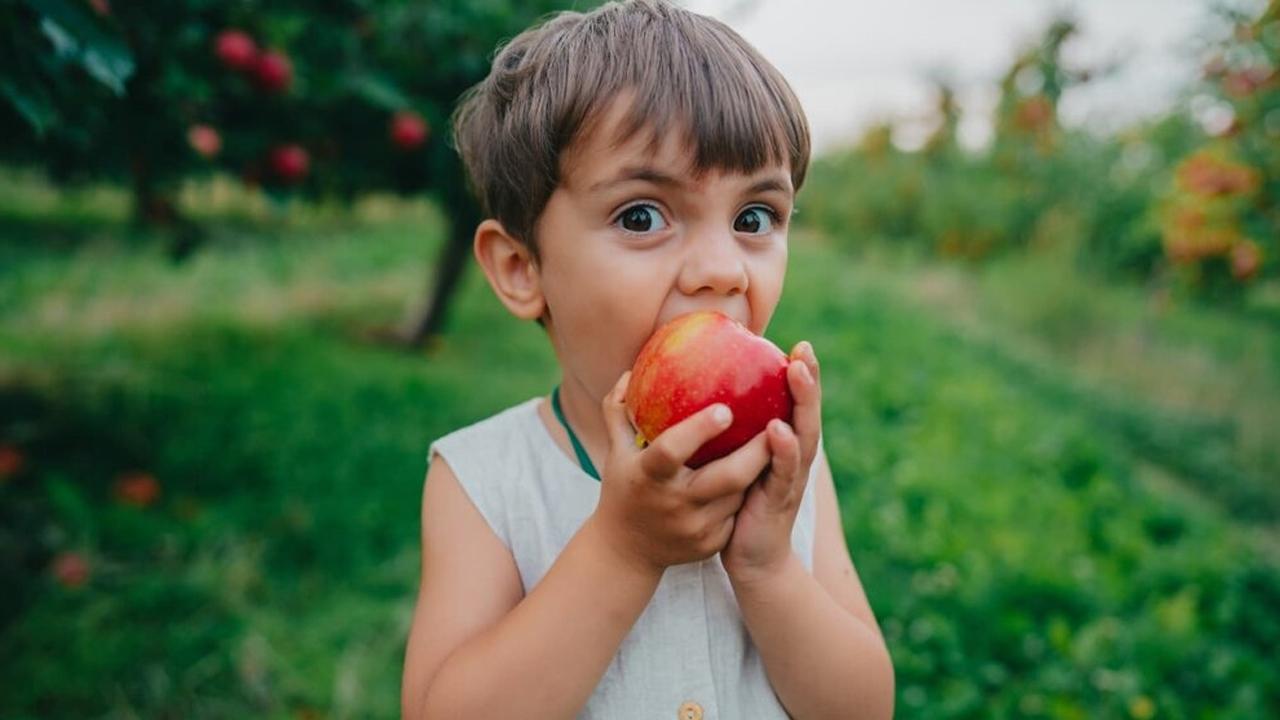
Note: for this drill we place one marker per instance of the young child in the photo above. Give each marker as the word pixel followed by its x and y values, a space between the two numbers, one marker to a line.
pixel 635 163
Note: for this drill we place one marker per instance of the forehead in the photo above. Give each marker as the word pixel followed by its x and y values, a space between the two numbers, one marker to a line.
pixel 603 149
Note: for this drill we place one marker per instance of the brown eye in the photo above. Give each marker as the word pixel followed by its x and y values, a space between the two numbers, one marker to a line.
pixel 641 219
pixel 755 220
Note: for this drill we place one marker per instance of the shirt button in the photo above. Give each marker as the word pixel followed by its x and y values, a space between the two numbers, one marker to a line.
pixel 690 711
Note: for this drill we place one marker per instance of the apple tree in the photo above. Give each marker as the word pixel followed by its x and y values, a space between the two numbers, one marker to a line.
pixel 1221 223
pixel 308 99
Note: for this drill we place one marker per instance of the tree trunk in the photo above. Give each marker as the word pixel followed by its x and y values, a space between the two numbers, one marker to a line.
pixel 432 317
pixel 154 208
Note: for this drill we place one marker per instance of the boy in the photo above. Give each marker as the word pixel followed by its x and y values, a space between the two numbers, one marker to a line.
pixel 635 163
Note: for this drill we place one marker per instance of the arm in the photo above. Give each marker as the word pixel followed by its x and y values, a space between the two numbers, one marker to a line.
pixel 472 633
pixel 820 643
pixel 478 650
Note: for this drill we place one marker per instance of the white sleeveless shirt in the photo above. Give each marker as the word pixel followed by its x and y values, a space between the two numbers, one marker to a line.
pixel 689 655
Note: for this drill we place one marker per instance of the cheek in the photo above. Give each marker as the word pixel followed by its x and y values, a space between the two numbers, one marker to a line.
pixel 605 316
pixel 765 290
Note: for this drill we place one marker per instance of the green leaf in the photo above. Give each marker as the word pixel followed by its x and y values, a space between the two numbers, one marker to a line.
pixel 377 91
pixel 76 34
pixel 31 101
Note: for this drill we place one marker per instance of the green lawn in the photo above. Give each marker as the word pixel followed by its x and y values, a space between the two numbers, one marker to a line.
pixel 1041 536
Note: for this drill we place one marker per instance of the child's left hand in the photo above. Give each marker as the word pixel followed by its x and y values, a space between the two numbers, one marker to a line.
pixel 761 540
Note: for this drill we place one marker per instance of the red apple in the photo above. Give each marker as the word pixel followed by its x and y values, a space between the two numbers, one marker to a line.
pixel 139 489
pixel 11 461
pixel 1246 258
pixel 702 358
pixel 236 50
pixel 289 163
pixel 408 130
pixel 273 72
pixel 204 140
pixel 70 569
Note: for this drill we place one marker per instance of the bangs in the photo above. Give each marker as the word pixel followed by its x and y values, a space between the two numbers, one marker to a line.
pixel 685 73
pixel 734 111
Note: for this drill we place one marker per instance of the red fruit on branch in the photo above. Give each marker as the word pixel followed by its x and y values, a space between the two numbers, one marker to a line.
pixel 703 358
pixel 408 130
pixel 11 461
pixel 273 72
pixel 1034 113
pixel 139 489
pixel 289 163
pixel 70 569
pixel 1246 259
pixel 204 140
pixel 235 50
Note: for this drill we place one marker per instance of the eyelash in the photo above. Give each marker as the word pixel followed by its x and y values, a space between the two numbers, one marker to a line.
pixel 774 215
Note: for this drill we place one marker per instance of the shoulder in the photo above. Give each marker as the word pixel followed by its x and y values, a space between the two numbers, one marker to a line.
pixel 489 460
pixel 499 427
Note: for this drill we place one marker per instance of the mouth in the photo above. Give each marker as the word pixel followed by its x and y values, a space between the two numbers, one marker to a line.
pixel 741 314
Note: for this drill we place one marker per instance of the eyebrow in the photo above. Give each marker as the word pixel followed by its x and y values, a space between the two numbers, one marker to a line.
pixel 657 177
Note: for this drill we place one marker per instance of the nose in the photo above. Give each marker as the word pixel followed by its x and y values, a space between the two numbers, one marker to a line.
pixel 713 263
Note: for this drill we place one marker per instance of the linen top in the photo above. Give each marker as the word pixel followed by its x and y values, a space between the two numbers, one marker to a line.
pixel 689 654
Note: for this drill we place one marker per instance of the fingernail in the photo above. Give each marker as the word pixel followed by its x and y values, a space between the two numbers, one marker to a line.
pixel 722 415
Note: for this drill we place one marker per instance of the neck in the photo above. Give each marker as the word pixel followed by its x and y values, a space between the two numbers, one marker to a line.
pixel 582 411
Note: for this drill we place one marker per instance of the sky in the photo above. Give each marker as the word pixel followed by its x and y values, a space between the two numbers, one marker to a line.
pixel 853 62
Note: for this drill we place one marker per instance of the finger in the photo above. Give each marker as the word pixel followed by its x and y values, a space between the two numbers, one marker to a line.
pixel 621 433
pixel 674 446
pixel 803 351
pixel 784 470
pixel 807 413
pixel 717 510
pixel 732 473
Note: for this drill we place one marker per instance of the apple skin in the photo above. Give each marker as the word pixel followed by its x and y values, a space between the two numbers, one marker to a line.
pixel 702 358
pixel 408 130
pixel 289 163
pixel 235 50
pixel 205 140
pixel 273 72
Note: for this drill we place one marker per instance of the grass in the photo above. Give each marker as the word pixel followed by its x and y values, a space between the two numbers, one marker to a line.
pixel 1025 559
pixel 1190 388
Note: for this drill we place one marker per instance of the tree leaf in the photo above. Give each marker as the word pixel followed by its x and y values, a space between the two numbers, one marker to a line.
pixel 76 34
pixel 377 91
pixel 31 102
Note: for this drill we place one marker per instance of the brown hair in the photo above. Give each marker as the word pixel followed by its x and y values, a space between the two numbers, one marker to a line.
pixel 550 83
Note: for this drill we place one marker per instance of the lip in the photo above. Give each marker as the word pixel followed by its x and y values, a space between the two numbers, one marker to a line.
pixel 742 316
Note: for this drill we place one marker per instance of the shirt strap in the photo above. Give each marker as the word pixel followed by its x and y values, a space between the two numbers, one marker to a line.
pixel 583 458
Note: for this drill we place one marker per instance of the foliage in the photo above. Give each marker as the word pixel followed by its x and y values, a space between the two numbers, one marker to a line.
pixel 1221 223
pixel 1024 559
pixel 1160 202
pixel 154 92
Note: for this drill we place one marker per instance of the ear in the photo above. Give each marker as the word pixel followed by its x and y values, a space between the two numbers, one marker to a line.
pixel 511 270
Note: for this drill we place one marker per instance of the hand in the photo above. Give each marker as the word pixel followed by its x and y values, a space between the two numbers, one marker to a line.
pixel 761 540
pixel 656 512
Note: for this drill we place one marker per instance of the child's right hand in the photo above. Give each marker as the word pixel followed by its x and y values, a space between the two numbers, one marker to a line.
pixel 656 512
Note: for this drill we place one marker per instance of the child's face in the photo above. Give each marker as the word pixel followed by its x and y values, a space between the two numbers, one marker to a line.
pixel 622 254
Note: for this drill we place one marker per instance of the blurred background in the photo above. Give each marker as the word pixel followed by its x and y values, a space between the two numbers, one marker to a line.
pixel 1038 253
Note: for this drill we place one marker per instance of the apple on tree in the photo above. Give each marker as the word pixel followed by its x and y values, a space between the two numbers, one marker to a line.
pixel 205 140
pixel 702 358
pixel 235 50
pixel 408 130
pixel 273 73
pixel 289 163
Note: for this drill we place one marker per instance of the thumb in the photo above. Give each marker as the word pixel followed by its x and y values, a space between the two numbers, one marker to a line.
pixel 621 433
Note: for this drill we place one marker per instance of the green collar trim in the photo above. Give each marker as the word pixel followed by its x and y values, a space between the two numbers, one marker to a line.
pixel 583 458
